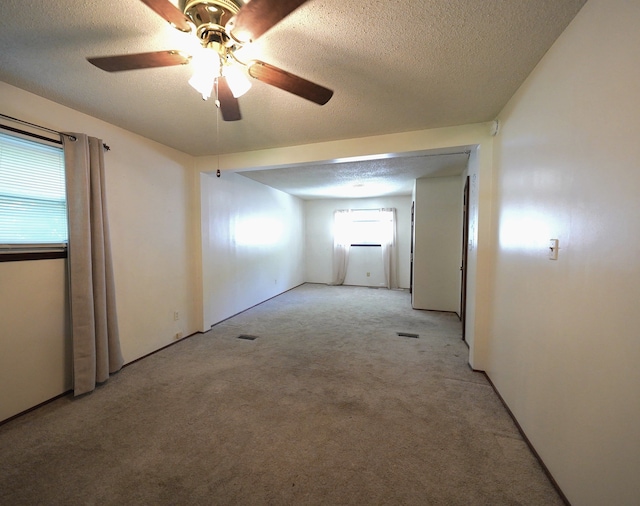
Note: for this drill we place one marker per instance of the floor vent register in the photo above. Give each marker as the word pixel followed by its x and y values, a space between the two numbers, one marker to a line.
pixel 408 334
pixel 247 337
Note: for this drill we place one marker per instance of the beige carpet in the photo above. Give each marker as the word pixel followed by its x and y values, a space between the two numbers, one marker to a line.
pixel 327 406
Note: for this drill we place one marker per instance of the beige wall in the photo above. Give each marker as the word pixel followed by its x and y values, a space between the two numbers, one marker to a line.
pixel 565 342
pixel 149 188
pixel 154 198
pixel 438 244
pixel 35 355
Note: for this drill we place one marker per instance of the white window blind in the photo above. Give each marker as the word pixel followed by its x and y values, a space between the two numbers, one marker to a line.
pixel 33 210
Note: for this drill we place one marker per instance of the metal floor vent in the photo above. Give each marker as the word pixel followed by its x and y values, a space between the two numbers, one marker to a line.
pixel 247 337
pixel 408 334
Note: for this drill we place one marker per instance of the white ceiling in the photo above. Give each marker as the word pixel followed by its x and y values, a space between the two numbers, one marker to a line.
pixel 394 65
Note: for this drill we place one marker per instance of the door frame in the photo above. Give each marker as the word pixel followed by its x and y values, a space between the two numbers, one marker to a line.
pixel 413 208
pixel 465 255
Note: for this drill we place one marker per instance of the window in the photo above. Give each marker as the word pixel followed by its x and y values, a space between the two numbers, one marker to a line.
pixel 368 227
pixel 365 227
pixel 33 210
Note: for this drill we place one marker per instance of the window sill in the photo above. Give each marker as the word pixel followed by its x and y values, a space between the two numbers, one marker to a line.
pixel 32 255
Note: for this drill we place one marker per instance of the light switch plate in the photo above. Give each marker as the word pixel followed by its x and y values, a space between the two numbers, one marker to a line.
pixel 553 249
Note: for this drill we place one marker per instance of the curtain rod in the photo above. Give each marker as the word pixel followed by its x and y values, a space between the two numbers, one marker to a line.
pixel 45 129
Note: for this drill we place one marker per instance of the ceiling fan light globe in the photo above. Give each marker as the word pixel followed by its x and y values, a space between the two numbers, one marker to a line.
pixel 206 67
pixel 202 85
pixel 238 83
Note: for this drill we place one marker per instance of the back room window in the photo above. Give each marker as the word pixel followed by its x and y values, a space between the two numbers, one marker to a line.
pixel 368 227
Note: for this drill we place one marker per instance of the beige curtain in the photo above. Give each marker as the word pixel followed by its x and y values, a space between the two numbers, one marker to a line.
pixel 389 248
pixel 94 322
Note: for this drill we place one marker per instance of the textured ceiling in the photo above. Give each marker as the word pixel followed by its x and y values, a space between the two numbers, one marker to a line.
pixel 394 65
pixel 356 179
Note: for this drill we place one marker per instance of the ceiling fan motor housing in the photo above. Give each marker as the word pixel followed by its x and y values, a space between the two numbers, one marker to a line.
pixel 210 18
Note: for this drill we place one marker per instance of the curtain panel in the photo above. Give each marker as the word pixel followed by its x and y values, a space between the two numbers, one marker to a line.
pixel 341 245
pixel 94 321
pixel 389 248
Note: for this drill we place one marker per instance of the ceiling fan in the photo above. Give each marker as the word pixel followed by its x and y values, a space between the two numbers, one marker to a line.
pixel 222 27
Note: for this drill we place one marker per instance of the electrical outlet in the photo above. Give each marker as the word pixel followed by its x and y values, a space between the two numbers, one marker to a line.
pixel 368 274
pixel 178 335
pixel 176 315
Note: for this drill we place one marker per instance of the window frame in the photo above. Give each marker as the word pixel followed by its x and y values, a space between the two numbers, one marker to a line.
pixel 364 219
pixel 9 256
pixel 16 252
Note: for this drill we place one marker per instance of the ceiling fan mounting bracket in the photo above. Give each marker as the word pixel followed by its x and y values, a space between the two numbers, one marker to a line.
pixel 212 13
pixel 209 18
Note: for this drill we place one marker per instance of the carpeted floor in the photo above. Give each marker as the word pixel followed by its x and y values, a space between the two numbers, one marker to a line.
pixel 327 406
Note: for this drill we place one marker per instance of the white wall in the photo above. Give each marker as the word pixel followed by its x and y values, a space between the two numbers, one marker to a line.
pixel 438 244
pixel 319 242
pixel 476 315
pixel 252 243
pixel 565 348
pixel 366 267
pixel 149 189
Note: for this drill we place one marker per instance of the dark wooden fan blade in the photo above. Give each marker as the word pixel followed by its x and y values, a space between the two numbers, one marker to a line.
pixel 258 16
pixel 229 106
pixel 289 82
pixel 139 61
pixel 166 10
